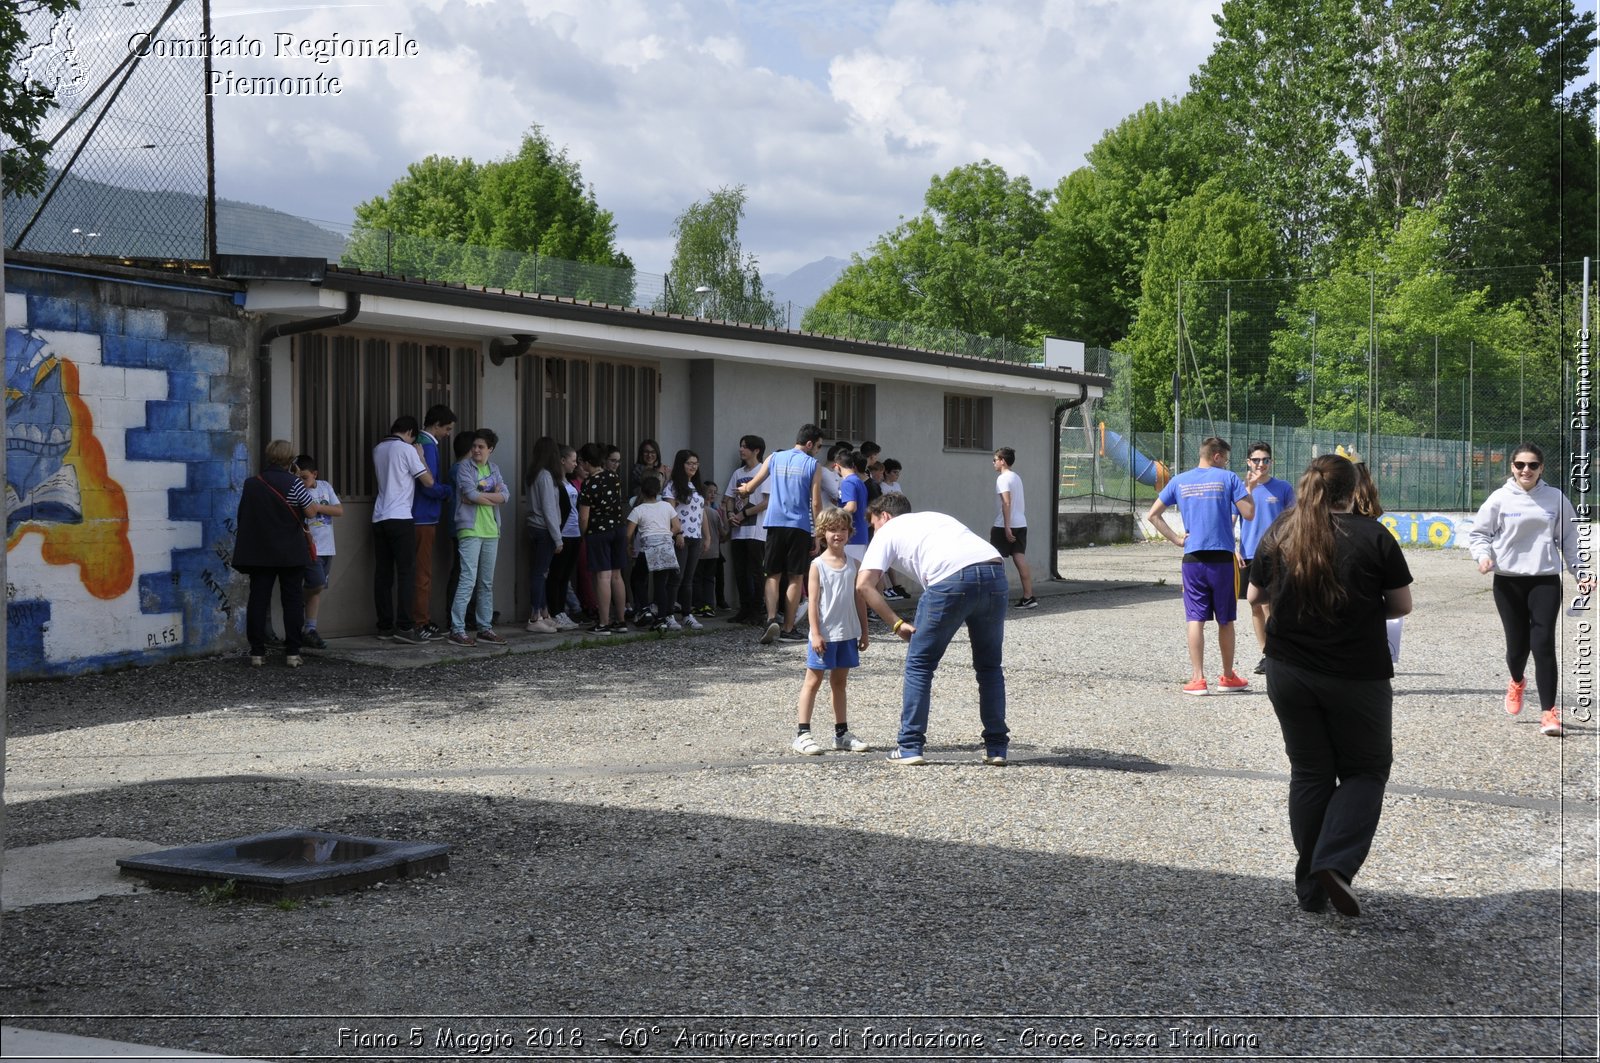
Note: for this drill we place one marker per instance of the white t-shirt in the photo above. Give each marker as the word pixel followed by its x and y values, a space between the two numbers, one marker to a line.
pixel 752 527
pixel 892 488
pixel 321 525
pixel 398 465
pixel 652 518
pixel 1009 481
pixel 690 514
pixel 930 546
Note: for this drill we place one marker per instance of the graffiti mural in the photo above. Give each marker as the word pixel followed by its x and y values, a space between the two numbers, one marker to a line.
pixel 1428 529
pixel 123 460
pixel 56 478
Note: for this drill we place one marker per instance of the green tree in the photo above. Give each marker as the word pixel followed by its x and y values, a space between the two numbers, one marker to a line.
pixel 970 261
pixel 1102 215
pixel 25 98
pixel 1214 233
pixel 707 255
pixel 524 221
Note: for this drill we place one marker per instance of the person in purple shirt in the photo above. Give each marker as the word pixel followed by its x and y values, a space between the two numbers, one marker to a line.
pixel 1206 497
pixel 1272 496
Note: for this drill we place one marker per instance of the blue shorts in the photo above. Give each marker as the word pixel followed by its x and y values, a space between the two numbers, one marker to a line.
pixel 316 575
pixel 1208 592
pixel 608 550
pixel 842 654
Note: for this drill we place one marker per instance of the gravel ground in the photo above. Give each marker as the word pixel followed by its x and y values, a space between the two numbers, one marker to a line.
pixel 634 849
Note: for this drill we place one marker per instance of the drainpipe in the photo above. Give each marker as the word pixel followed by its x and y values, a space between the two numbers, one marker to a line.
pixel 500 350
pixel 352 307
pixel 1062 409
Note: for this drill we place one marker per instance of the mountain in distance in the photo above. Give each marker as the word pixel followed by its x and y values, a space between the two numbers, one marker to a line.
pixel 150 223
pixel 805 285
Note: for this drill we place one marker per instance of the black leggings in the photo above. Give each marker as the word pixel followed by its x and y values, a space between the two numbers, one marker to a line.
pixel 1528 606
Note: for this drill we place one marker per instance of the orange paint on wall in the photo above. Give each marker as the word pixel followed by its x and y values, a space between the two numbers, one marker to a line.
pixel 99 545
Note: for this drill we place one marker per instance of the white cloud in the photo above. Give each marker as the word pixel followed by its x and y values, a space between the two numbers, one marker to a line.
pixel 833 114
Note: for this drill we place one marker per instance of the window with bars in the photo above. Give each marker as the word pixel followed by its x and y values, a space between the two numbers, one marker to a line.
pixel 968 422
pixel 350 386
pixel 844 411
pixel 576 399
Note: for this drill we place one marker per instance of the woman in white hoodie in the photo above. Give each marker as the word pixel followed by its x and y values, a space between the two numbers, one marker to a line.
pixel 1523 534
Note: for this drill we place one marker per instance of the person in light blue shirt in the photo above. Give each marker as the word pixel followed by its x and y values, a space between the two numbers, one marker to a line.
pixel 795 497
pixel 1272 497
pixel 1207 497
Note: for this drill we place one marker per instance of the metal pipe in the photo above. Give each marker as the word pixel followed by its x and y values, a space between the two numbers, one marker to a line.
pixel 352 307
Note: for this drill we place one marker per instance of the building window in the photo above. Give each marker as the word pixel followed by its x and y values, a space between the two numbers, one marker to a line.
pixel 968 422
pixel 576 399
pixel 844 411
pixel 350 386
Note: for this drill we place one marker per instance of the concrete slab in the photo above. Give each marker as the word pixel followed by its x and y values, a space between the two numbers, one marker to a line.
pixel 79 869
pixel 40 1045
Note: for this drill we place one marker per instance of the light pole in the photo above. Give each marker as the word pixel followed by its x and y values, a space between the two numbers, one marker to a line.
pixel 83 239
pixel 702 291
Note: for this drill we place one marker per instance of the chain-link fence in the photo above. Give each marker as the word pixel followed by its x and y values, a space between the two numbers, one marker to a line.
pixel 128 169
pixel 1433 385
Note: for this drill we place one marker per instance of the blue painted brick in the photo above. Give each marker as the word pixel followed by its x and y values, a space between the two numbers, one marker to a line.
pixel 149 324
pixel 189 387
pixel 206 474
pixel 51 313
pixel 158 594
pixel 146 444
pixel 167 415
pixel 211 416
pixel 125 351
pixel 184 504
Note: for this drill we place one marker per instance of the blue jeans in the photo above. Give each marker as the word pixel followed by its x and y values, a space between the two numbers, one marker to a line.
pixel 976 597
pixel 477 573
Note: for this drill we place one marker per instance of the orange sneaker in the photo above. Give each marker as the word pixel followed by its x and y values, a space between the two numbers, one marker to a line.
pixel 1514 696
pixel 1232 684
pixel 1550 723
pixel 1196 687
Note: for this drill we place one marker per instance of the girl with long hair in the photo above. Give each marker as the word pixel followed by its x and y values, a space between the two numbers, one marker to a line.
pixel 1332 577
pixel 685 492
pixel 548 508
pixel 1525 533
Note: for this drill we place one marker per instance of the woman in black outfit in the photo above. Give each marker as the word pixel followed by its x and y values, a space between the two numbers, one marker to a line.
pixel 1332 577
pixel 272 546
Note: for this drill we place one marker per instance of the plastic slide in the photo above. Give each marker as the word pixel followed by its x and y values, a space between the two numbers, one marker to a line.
pixel 1145 469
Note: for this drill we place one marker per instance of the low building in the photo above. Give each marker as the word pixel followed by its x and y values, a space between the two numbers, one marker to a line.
pixel 179 380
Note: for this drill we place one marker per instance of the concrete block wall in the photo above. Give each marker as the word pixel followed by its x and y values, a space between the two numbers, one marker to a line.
pixel 127 420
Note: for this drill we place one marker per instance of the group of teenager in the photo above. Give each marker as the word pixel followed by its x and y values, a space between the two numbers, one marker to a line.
pixel 1323 578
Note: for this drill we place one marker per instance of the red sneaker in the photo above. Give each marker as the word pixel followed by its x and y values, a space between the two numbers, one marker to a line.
pixel 1514 696
pixel 1550 723
pixel 1232 684
pixel 1198 688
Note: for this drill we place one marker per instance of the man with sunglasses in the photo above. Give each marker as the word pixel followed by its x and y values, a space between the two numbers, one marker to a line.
pixel 1272 496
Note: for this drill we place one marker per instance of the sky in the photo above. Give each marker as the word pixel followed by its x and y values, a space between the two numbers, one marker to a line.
pixel 834 114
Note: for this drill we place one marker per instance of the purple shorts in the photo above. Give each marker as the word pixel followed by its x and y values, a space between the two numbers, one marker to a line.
pixel 1208 592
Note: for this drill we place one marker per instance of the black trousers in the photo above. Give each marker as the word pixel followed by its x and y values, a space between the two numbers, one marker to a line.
pixel 1528 607
pixel 258 611
pixel 394 552
pixel 562 566
pixel 1339 735
pixel 747 574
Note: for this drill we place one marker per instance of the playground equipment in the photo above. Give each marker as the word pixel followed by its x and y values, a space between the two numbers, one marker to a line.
pixel 1145 469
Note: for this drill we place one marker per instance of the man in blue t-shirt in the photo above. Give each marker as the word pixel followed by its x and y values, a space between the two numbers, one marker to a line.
pixel 794 500
pixel 1272 496
pixel 1206 497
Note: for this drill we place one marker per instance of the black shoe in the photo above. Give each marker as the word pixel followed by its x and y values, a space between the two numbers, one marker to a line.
pixel 273 640
pixel 1261 667
pixel 793 635
pixel 311 640
pixel 1340 895
pixel 429 633
pixel 408 634
pixel 619 629
pixel 771 633
pixel 1030 602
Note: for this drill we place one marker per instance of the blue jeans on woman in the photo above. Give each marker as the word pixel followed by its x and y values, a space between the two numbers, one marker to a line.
pixel 976 597
pixel 477 555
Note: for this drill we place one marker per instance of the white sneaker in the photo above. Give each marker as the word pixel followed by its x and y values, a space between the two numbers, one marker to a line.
pixel 673 625
pixel 564 622
pixel 806 746
pixel 850 743
pixel 691 623
pixel 543 626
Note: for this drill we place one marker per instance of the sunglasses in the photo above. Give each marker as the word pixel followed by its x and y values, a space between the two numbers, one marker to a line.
pixel 1522 466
